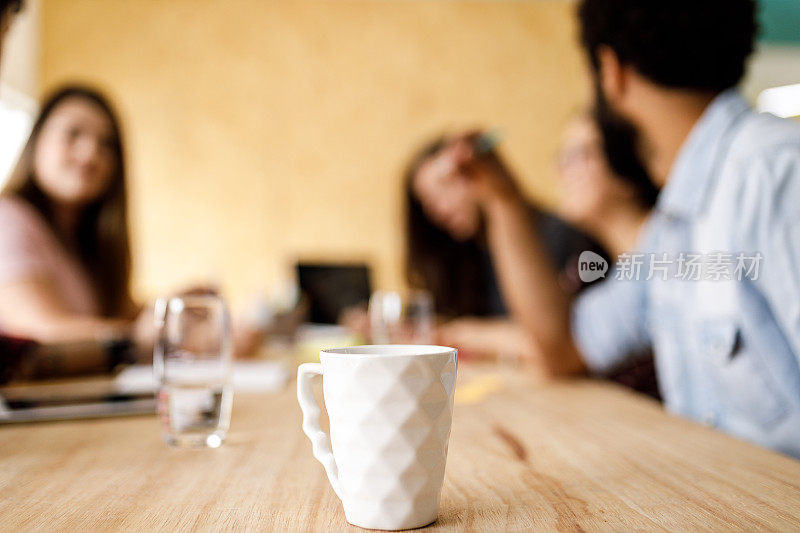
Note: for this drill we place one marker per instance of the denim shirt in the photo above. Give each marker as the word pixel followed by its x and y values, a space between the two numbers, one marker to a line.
pixel 727 349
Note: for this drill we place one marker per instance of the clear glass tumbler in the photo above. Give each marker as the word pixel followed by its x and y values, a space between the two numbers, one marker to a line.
pixel 192 363
pixel 395 319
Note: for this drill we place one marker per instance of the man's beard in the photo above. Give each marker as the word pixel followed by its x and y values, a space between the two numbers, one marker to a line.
pixel 624 147
pixel 606 114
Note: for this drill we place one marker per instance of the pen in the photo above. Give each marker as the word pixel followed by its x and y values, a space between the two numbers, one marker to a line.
pixel 487 141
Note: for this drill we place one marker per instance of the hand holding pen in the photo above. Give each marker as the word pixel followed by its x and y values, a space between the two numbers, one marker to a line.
pixel 473 157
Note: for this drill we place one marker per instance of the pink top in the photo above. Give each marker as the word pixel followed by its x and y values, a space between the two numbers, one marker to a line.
pixel 30 250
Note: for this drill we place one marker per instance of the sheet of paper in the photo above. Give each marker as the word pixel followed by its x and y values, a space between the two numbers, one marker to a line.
pixel 248 376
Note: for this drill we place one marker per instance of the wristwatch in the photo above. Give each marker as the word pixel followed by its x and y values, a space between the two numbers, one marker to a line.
pixel 119 352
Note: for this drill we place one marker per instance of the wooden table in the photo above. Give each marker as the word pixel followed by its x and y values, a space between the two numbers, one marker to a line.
pixel 578 455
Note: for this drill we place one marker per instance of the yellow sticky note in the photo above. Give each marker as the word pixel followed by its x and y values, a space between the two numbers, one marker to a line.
pixel 478 389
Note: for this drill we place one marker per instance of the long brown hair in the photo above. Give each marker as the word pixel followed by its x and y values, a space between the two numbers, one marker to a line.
pixel 455 272
pixel 102 231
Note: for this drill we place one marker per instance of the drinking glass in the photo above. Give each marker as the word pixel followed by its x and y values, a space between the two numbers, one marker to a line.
pixel 396 319
pixel 192 363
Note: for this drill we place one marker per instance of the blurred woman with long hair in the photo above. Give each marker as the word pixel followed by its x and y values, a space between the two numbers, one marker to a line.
pixel 606 197
pixel 65 261
pixel 449 255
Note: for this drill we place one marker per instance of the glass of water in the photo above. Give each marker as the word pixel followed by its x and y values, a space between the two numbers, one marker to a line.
pixel 192 363
pixel 395 319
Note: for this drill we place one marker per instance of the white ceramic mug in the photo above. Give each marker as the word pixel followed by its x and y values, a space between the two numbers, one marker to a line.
pixel 390 409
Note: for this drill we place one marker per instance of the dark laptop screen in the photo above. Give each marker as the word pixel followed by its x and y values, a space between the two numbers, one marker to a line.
pixel 331 288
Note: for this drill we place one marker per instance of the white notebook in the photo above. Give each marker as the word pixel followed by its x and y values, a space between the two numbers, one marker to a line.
pixel 248 376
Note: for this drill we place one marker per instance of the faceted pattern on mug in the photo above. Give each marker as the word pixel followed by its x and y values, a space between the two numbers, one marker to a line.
pixel 379 422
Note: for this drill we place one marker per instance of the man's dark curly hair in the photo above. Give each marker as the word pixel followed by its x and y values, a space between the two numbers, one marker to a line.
pixel 686 44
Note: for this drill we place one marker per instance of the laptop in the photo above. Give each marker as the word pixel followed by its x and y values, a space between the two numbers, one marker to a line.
pixel 333 287
pixel 71 398
pixel 63 398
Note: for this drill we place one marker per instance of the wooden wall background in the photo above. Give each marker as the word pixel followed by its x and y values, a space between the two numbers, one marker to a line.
pixel 260 131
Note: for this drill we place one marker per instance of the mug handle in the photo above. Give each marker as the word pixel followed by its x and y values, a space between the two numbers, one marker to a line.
pixel 320 442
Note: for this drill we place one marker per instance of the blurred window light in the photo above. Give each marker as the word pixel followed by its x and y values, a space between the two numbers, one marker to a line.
pixel 16 119
pixel 780 101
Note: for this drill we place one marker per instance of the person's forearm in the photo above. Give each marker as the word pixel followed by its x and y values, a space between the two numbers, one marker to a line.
pixel 529 284
pixel 70 329
pixel 494 338
pixel 64 359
